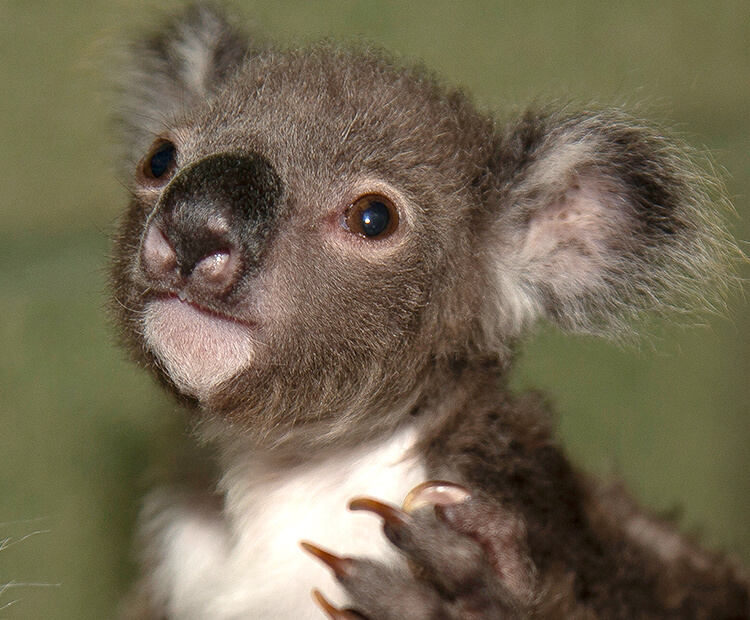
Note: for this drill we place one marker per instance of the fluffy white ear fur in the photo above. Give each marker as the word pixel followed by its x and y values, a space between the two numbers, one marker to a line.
pixel 181 66
pixel 195 49
pixel 559 254
pixel 607 221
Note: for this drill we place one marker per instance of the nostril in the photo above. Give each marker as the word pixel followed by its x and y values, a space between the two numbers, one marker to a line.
pixel 217 269
pixel 200 263
pixel 158 257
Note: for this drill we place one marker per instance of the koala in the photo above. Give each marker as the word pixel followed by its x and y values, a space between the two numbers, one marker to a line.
pixel 329 258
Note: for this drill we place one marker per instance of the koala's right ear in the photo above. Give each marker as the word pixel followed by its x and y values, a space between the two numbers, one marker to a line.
pixel 598 219
pixel 181 64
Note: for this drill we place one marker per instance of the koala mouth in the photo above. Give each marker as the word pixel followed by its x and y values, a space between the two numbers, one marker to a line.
pixel 197 348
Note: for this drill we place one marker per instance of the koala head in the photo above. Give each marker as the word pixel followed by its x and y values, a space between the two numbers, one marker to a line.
pixel 317 238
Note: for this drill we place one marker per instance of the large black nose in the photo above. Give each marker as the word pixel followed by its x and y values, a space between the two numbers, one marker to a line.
pixel 211 225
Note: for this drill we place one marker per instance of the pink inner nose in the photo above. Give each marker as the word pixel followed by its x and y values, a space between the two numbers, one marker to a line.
pixel 218 268
pixel 211 275
pixel 157 254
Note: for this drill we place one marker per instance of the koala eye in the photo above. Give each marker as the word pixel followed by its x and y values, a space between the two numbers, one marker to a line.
pixel 160 161
pixel 371 216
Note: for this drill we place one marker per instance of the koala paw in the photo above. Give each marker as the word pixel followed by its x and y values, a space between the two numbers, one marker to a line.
pixel 465 559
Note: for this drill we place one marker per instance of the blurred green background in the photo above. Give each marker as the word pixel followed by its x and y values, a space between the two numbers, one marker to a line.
pixel 79 425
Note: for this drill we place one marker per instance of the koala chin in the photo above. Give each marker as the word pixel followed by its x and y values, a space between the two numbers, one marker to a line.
pixel 330 259
pixel 198 350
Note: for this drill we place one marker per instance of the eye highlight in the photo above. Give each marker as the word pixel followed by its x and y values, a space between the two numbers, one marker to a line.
pixel 372 216
pixel 160 161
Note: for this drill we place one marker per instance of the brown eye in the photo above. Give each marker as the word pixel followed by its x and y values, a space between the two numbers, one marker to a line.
pixel 160 162
pixel 372 216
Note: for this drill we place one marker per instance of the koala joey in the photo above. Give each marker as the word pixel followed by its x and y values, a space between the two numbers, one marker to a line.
pixel 329 258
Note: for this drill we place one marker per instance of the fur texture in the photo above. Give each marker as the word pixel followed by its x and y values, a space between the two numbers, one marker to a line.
pixel 319 362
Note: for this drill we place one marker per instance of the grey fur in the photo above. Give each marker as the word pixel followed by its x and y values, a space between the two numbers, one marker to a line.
pixel 586 218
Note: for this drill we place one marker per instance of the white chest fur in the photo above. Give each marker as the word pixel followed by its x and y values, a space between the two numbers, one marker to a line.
pixel 246 562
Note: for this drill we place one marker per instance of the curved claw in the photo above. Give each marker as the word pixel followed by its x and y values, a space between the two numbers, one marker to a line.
pixel 334 613
pixel 341 567
pixel 392 516
pixel 435 493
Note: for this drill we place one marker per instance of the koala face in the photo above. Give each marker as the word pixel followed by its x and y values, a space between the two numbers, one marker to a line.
pixel 318 239
pixel 293 244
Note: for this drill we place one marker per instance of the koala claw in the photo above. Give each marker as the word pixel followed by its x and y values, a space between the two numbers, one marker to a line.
pixel 393 517
pixel 446 574
pixel 334 613
pixel 435 493
pixel 341 567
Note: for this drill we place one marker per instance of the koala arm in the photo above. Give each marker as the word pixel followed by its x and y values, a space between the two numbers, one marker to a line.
pixel 607 556
pixel 495 555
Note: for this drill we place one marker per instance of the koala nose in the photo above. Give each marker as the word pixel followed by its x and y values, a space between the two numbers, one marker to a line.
pixel 211 225
pixel 211 268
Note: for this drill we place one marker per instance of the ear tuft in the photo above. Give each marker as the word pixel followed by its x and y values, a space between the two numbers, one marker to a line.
pixel 598 219
pixel 181 64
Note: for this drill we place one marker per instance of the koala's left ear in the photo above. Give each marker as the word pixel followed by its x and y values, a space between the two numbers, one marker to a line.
pixel 598 218
pixel 184 62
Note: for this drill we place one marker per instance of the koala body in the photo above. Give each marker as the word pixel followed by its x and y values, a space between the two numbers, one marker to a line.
pixel 329 259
